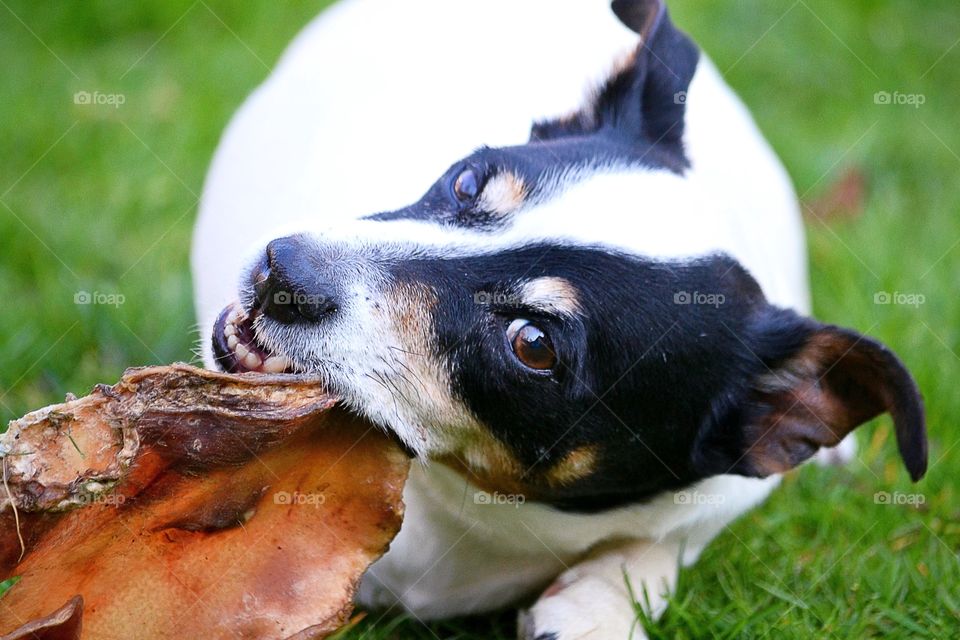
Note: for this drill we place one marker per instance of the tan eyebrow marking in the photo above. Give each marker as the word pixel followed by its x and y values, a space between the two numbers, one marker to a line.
pixel 551 295
pixel 503 194
pixel 576 465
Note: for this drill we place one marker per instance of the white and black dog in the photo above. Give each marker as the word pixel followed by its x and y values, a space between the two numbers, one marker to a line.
pixel 577 321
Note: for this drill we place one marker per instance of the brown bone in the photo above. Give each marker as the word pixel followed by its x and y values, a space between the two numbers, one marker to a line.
pixel 187 503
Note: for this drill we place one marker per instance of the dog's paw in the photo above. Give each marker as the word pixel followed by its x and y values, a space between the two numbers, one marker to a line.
pixel 588 608
pixel 527 629
pixel 839 455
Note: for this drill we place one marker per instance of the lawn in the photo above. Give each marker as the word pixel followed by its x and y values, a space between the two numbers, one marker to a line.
pixel 97 202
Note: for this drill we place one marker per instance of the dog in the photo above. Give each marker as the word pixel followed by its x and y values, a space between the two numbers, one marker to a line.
pixel 592 330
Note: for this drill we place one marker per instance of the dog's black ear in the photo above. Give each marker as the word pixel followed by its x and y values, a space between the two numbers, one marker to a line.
pixel 643 16
pixel 644 101
pixel 817 384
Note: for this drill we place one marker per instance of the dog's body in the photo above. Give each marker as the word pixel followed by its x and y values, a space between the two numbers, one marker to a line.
pixel 367 107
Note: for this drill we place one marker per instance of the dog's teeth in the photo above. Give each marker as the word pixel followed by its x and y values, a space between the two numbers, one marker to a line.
pixel 230 330
pixel 241 351
pixel 233 342
pixel 276 364
pixel 252 361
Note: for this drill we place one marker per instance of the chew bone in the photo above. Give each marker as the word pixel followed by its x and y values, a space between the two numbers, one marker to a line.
pixel 186 503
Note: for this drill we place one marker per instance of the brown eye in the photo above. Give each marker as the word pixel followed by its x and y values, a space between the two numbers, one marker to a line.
pixel 531 345
pixel 467 185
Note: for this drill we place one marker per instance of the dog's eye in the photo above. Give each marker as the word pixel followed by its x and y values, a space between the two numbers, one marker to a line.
pixel 467 186
pixel 531 345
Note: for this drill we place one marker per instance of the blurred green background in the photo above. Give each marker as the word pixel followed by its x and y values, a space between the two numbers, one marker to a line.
pixel 100 198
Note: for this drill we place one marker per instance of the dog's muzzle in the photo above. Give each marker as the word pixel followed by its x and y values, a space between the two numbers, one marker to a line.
pixel 286 288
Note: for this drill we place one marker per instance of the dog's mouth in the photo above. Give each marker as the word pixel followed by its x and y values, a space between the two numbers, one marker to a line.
pixel 237 349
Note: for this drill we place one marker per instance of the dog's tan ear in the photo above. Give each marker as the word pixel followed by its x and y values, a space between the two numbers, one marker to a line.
pixel 642 16
pixel 835 381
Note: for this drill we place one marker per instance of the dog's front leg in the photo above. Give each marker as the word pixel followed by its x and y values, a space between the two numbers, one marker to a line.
pixel 592 600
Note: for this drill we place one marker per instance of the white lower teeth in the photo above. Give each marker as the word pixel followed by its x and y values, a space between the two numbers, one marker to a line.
pixel 251 361
pixel 246 356
pixel 276 364
pixel 241 351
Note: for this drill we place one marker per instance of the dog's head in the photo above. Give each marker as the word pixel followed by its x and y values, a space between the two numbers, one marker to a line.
pixel 481 328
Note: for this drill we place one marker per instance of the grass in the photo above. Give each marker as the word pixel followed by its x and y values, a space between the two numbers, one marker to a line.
pixel 96 198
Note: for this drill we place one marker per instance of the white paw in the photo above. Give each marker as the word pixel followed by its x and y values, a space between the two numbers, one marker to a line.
pixel 838 455
pixel 587 608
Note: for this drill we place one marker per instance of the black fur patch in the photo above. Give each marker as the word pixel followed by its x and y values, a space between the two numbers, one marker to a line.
pixel 638 371
pixel 541 166
pixel 657 377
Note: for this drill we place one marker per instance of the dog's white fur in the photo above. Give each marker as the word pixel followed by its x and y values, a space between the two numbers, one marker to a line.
pixel 367 108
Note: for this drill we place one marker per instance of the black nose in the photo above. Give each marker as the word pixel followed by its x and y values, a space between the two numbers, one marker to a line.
pixel 289 286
